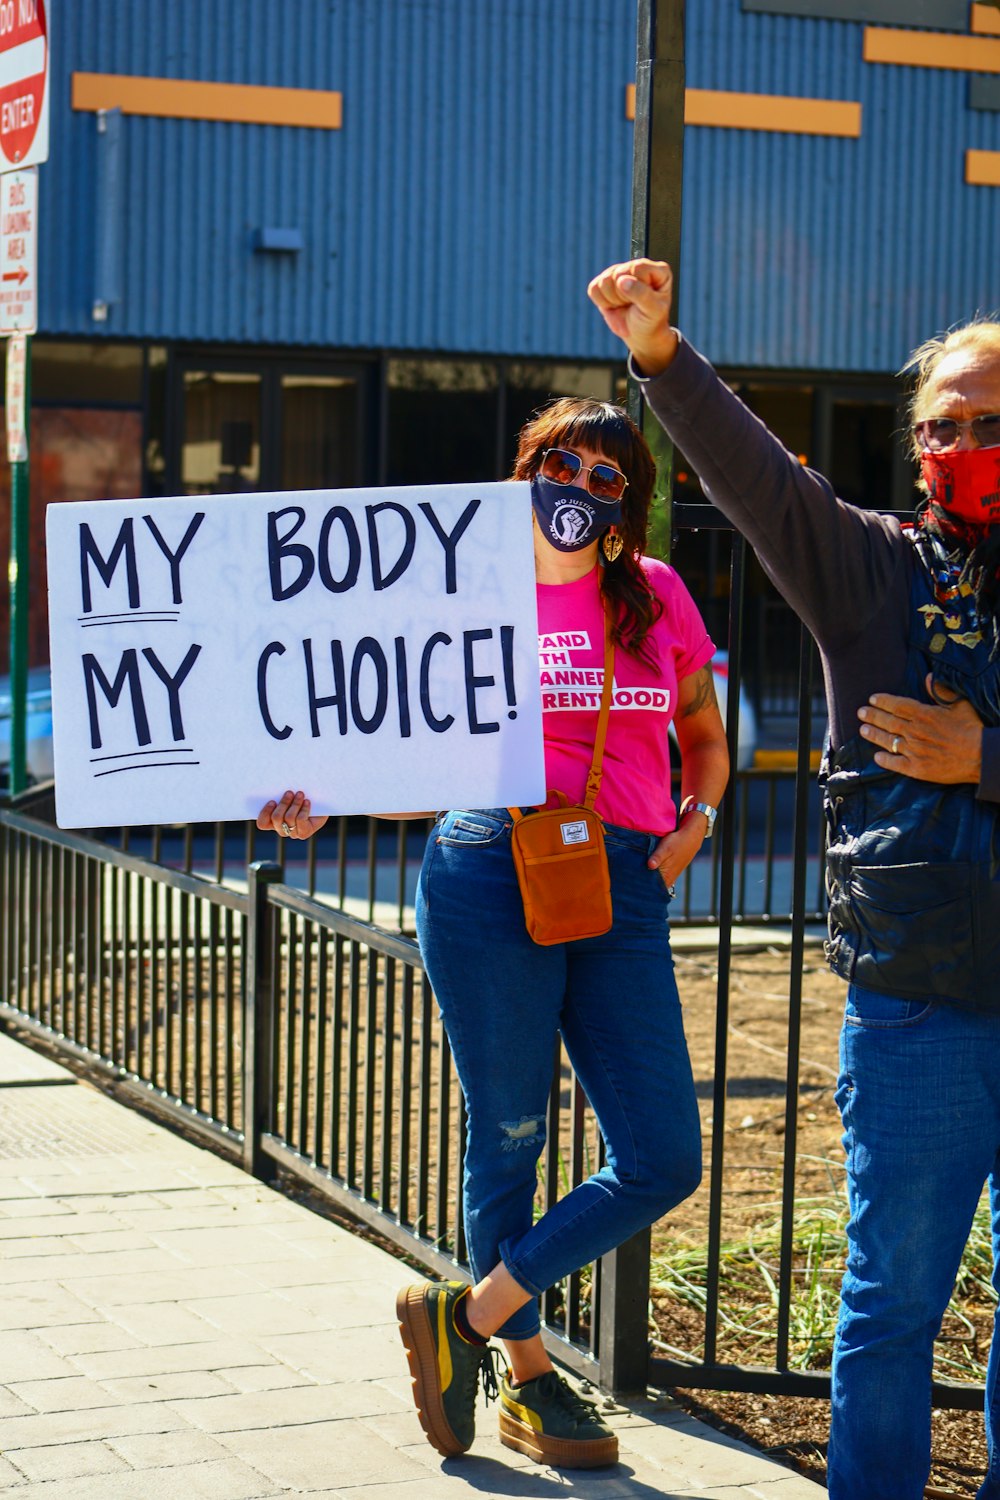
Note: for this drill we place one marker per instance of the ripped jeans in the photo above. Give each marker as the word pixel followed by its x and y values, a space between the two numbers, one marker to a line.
pixel 504 999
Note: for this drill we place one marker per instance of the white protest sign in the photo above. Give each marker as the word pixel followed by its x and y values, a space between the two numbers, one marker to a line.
pixel 375 648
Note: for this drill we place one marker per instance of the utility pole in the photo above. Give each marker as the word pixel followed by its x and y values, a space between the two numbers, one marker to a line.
pixel 656 231
pixel 657 171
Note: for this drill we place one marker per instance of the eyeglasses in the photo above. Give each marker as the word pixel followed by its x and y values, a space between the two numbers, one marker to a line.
pixel 938 434
pixel 604 482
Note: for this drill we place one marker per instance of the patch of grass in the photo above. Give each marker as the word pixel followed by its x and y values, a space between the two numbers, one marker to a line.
pixel 748 1291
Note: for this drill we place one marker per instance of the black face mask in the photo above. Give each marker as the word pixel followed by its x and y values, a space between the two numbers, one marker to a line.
pixel 568 516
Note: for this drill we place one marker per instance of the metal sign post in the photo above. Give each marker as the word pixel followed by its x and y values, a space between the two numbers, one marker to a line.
pixel 656 232
pixel 18 411
pixel 24 141
pixel 18 319
pixel 657 170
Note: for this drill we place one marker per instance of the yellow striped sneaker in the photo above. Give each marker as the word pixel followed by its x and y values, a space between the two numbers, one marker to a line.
pixel 546 1419
pixel 446 1367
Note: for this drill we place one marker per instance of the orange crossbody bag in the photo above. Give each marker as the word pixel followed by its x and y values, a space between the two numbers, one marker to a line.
pixel 559 853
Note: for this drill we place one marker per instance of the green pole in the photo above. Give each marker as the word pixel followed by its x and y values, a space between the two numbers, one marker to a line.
pixel 18 579
pixel 657 167
pixel 656 226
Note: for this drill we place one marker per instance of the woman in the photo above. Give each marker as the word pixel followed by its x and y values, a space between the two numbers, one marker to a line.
pixel 504 998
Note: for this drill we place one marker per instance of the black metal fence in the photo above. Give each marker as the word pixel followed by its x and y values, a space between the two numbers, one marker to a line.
pixel 368 867
pixel 283 1031
pixel 301 1038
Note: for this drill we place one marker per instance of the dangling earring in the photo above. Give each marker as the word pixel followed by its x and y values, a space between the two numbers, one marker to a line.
pixel 612 544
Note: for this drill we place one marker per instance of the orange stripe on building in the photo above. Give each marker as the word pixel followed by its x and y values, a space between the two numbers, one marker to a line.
pixel 982 168
pixel 182 99
pixel 931 49
pixel 779 112
pixel 985 19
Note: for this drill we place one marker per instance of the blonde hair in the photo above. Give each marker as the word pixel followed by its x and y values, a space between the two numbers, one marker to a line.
pixel 979 334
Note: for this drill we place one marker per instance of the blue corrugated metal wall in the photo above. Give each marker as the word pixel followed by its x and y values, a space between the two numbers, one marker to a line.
pixel 482 175
pixel 822 253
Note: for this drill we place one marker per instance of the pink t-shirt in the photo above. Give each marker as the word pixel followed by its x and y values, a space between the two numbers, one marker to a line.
pixel 635 784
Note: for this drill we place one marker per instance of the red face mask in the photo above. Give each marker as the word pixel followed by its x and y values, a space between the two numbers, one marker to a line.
pixel 965 482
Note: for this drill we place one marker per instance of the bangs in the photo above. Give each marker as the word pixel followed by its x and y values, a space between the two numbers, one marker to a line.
pixel 605 428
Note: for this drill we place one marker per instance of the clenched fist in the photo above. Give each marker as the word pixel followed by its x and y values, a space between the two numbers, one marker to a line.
pixel 634 300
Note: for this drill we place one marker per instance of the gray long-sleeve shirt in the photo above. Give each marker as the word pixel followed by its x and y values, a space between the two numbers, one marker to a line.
pixel 845 572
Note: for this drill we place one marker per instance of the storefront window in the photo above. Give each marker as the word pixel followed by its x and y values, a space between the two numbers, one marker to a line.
pixel 156 415
pixel 442 421
pixel 861 451
pixel 76 454
pixel 319 432
pixel 85 444
pixel 88 374
pixel 221 448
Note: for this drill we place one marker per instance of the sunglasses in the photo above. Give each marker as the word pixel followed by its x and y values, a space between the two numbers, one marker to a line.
pixel 604 482
pixel 938 434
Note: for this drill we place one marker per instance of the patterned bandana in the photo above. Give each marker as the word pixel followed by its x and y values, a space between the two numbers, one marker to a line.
pixel 965 483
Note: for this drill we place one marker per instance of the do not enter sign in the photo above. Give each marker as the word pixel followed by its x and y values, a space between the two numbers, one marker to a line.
pixel 24 95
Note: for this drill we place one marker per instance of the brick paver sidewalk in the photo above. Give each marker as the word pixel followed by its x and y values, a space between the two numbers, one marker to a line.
pixel 171 1328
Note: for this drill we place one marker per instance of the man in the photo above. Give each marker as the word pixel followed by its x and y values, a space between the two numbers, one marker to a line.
pixel 912 795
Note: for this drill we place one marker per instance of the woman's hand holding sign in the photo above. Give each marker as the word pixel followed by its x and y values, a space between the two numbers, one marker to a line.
pixel 289 817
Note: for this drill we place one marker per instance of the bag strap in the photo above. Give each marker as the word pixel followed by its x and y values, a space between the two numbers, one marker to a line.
pixel 594 774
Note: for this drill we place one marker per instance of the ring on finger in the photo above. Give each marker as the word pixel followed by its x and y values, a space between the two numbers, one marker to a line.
pixel 895 744
pixel 286 830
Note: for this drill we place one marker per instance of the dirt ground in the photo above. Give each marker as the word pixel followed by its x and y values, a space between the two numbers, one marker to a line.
pixel 752 1139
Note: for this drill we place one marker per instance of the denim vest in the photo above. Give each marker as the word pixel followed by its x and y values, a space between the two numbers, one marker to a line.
pixel 913 868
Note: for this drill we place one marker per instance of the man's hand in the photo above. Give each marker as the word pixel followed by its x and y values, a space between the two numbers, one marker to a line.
pixel 940 741
pixel 634 300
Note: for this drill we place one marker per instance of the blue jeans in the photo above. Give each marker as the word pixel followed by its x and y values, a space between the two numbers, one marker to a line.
pixel 504 999
pixel 919 1096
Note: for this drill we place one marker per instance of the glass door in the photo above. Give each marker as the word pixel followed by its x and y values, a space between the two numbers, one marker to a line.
pixel 265 423
pixel 221 434
pixel 320 418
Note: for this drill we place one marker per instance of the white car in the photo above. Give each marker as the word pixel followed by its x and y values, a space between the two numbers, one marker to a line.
pixel 38 728
pixel 747 741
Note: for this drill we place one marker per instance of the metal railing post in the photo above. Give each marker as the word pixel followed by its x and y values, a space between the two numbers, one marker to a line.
pixel 623 1326
pixel 258 1011
pixel 657 175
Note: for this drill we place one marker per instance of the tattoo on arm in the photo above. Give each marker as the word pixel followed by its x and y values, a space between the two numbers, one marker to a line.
pixel 704 693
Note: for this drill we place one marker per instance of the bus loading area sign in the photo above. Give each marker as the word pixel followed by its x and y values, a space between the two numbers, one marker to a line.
pixel 19 251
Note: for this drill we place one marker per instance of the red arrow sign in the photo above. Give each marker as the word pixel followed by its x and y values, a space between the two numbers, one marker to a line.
pixel 23 57
pixel 20 275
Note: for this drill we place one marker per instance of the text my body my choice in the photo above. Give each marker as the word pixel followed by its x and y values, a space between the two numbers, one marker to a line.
pixel 365 681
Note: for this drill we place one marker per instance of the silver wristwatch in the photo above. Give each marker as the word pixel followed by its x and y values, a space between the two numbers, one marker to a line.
pixel 711 813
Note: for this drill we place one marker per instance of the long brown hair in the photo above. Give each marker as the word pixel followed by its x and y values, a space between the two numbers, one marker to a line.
pixel 573 422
